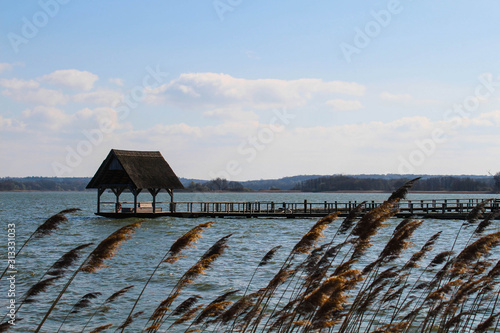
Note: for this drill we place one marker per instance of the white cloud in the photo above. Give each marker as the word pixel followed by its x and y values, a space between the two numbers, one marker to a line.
pixel 99 97
pixel 117 81
pixel 213 90
pixel 19 84
pixel 10 124
pixel 232 115
pixel 46 117
pixel 71 78
pixel 386 96
pixel 5 66
pixel 344 105
pixel 41 96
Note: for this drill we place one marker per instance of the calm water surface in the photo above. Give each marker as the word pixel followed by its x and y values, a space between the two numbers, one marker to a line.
pixel 136 258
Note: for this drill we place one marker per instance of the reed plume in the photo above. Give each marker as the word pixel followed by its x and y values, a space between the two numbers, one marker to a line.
pixel 186 305
pixel 46 228
pixel 401 192
pixel 38 288
pixel 348 222
pixel 316 232
pixel 189 315
pixel 474 251
pixel 69 211
pixel 191 274
pixel 399 242
pixel 487 221
pixel 84 302
pixel 108 247
pixel 477 212
pixel 108 300
pixel 371 222
pixel 105 250
pixel 239 307
pixel 187 240
pixel 129 320
pixel 66 261
pixel 101 328
pixel 172 255
pixel 485 325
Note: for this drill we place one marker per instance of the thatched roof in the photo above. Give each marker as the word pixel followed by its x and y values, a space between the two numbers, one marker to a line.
pixel 138 169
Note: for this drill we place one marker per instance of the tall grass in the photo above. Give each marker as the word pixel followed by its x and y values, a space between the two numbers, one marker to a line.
pixel 341 284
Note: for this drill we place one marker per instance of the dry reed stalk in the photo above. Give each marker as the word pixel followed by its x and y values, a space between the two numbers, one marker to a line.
pixel 212 310
pixel 330 312
pixel 401 192
pixel 351 218
pixel 105 250
pixel 57 270
pixel 399 241
pixel 191 274
pixel 477 212
pixel 311 237
pixel 264 261
pixel 186 305
pixel 410 264
pixel 215 308
pixel 108 300
pixel 189 315
pixel 371 222
pixel 66 261
pixel 419 255
pixel 69 211
pixel 485 325
pixel 129 320
pixel 101 328
pixel 238 308
pixel 185 241
pixel 473 252
pixel 487 221
pixel 316 273
pixel 38 288
pixel 108 247
pixel 393 328
pixel 84 302
pixel 4 327
pixel 51 224
pixel 172 255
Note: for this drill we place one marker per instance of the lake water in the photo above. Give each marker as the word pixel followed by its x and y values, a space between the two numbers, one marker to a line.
pixel 137 257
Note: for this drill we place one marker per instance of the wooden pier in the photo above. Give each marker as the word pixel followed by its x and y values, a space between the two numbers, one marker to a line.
pixel 435 209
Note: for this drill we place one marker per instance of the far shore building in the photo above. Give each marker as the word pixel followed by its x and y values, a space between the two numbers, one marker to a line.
pixel 134 171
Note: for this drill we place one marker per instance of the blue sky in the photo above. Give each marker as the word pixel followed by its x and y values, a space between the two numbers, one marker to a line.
pixel 251 89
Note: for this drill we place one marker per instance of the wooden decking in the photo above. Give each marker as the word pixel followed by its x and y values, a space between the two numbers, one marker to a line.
pixel 437 209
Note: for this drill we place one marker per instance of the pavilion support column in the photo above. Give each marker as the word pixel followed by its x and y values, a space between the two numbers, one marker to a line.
pixel 172 204
pixel 135 192
pixel 154 192
pixel 100 191
pixel 117 192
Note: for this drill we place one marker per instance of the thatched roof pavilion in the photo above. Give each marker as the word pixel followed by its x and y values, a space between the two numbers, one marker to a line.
pixel 134 171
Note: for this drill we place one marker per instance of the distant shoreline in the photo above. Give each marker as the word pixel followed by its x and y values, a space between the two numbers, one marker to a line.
pixel 275 191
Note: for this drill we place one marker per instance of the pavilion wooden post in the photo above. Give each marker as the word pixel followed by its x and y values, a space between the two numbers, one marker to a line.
pixel 117 192
pixel 172 207
pixel 154 192
pixel 135 192
pixel 100 191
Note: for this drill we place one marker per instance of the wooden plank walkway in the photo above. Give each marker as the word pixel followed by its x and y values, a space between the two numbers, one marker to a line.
pixel 436 209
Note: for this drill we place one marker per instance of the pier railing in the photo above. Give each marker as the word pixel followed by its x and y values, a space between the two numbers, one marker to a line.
pixel 272 208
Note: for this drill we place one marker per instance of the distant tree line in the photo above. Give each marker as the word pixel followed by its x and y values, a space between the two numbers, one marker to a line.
pixel 298 183
pixel 218 184
pixel 43 184
pixel 440 183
